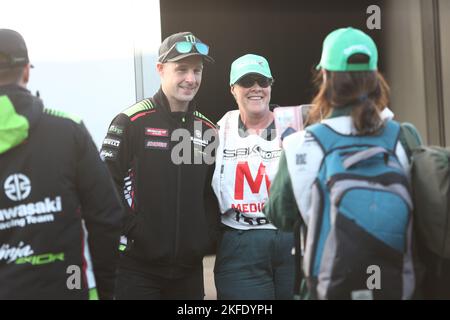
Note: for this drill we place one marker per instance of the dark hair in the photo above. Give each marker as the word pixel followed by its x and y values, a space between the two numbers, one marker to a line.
pixel 366 91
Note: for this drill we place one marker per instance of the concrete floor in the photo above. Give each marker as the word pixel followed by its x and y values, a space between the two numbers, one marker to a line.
pixel 208 273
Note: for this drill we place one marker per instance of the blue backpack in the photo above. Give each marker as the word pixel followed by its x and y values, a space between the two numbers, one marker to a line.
pixel 358 244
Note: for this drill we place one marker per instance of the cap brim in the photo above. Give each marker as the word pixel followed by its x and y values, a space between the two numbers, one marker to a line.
pixel 10 66
pixel 250 72
pixel 253 72
pixel 182 56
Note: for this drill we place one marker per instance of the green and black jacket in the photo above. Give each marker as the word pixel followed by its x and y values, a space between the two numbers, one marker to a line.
pixel 172 215
pixel 51 180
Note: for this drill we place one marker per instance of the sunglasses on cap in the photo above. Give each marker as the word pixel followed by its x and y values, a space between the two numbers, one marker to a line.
pixel 249 81
pixel 186 47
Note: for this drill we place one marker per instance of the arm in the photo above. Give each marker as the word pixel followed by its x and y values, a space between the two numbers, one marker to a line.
pixel 101 210
pixel 211 203
pixel 117 154
pixel 281 208
pixel 212 211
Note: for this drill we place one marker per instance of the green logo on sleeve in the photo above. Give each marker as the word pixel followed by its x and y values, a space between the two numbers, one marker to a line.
pixel 41 259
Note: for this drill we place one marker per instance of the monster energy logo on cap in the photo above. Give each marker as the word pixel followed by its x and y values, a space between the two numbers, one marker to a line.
pixel 190 38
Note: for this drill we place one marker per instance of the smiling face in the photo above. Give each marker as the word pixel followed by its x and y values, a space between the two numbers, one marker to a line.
pixel 253 101
pixel 181 80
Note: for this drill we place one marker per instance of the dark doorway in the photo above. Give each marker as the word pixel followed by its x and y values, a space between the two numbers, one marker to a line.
pixel 288 33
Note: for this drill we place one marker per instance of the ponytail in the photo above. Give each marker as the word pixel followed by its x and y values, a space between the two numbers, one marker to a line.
pixel 366 117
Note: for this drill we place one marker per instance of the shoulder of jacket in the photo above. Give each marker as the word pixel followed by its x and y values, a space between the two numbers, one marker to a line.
pixel 294 139
pixel 140 107
pixel 199 115
pixel 62 114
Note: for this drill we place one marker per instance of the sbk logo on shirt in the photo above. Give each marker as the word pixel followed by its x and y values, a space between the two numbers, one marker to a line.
pixel 255 150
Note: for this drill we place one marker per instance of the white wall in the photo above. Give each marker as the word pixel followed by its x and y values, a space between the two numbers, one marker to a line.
pixel 444 19
pixel 413 97
pixel 84 53
pixel 404 59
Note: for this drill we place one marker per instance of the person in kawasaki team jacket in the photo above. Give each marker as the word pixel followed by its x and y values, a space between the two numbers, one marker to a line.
pixel 57 200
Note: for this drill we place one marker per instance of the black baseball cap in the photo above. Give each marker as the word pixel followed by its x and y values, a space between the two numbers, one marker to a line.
pixel 13 49
pixel 168 51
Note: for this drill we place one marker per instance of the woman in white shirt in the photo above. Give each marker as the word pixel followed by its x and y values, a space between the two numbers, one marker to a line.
pixel 254 259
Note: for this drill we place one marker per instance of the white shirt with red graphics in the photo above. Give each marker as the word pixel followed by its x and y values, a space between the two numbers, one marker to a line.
pixel 245 166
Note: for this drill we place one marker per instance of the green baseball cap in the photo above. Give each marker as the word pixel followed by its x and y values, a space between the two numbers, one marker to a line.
pixel 250 63
pixel 342 43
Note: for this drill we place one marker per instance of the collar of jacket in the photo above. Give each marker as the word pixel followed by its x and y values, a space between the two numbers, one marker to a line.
pixel 14 90
pixel 162 105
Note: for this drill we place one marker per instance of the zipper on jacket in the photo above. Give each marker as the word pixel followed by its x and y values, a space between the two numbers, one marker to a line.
pixel 177 216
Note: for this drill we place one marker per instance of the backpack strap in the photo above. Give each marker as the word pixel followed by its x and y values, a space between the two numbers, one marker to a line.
pixel 329 139
pixel 324 135
pixel 410 138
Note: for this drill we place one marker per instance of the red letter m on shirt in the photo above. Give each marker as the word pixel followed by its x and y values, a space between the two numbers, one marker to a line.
pixel 243 171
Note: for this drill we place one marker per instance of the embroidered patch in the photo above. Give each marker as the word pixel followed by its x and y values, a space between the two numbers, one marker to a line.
pixel 154 144
pixel 199 142
pixel 111 142
pixel 117 130
pixel 157 132
pixel 108 154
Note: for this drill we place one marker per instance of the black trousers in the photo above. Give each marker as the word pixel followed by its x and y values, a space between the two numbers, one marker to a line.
pixel 135 285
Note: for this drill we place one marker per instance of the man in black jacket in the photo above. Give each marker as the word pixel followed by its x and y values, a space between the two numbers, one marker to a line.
pixel 59 211
pixel 160 154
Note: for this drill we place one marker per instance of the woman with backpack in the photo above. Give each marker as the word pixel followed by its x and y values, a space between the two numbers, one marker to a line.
pixel 347 178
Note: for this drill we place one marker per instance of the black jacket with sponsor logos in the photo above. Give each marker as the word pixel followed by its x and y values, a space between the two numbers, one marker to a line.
pixel 53 187
pixel 172 218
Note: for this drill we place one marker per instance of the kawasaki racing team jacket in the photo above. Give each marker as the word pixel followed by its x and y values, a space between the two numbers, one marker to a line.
pixel 161 163
pixel 53 188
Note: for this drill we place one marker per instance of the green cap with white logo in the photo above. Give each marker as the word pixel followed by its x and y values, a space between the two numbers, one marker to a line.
pixel 250 63
pixel 343 43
